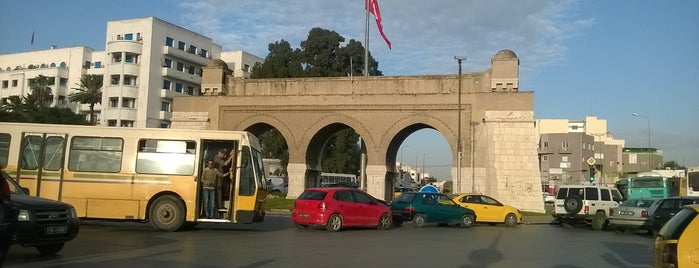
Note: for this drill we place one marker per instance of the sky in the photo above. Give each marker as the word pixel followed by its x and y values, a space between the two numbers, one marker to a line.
pixel 607 59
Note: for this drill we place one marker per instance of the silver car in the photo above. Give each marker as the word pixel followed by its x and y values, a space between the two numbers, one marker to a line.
pixel 634 214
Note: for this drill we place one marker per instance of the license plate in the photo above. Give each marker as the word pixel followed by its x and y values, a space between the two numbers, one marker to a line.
pixel 304 215
pixel 626 213
pixel 52 230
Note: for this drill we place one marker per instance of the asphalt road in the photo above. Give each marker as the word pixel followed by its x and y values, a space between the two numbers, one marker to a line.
pixel 277 243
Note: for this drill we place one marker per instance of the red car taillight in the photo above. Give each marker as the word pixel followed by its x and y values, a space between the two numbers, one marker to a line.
pixel 587 209
pixel 670 255
pixel 644 213
pixel 410 209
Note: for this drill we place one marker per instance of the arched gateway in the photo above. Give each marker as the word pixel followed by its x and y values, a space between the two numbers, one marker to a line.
pixel 498 139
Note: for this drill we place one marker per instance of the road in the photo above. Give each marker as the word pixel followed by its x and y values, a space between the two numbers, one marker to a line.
pixel 277 243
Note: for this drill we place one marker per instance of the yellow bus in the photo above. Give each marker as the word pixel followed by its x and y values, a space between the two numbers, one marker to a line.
pixel 142 174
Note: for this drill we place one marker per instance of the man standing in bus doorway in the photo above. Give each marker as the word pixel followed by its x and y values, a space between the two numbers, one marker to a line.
pixel 209 179
pixel 222 162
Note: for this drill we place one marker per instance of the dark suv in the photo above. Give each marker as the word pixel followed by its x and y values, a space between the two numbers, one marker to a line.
pixel 668 207
pixel 41 223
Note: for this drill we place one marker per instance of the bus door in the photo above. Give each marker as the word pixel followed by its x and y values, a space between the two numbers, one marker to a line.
pixel 41 163
pixel 209 152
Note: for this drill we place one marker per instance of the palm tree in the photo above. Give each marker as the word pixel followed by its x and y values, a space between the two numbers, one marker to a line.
pixel 90 92
pixel 41 92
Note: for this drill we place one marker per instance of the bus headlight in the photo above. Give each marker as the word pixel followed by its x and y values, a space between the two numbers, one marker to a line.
pixel 24 215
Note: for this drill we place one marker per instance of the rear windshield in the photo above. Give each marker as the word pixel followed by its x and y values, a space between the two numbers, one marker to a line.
pixel 313 195
pixel 674 228
pixel 405 198
pixel 639 203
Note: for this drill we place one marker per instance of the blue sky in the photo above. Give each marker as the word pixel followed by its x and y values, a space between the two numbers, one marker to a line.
pixel 607 59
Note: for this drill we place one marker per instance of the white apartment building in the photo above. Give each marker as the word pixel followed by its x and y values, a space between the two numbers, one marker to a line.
pixel 146 62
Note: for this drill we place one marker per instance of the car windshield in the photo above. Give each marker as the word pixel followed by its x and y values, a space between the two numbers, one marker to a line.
pixel 674 228
pixel 14 187
pixel 640 203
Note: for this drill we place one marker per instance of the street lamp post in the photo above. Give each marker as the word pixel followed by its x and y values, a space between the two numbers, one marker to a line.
pixel 650 157
pixel 459 152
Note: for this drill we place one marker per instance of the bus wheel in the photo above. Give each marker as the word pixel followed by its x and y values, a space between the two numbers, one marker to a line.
pixel 167 214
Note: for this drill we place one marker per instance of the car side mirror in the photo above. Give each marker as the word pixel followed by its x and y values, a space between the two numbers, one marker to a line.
pixel 26 190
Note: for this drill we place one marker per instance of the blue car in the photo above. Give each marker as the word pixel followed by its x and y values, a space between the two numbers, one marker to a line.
pixel 423 207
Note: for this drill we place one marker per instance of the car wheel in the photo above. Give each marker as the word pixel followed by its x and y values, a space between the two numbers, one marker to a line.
pixel 334 223
pixel 49 249
pixel 419 220
pixel 599 221
pixel 397 222
pixel 167 214
pixel 466 221
pixel 573 204
pixel 301 226
pixel 385 222
pixel 510 220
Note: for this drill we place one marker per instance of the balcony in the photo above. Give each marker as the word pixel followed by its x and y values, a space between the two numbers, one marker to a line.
pixel 119 46
pixel 117 91
pixel 167 94
pixel 191 78
pixel 196 59
pixel 566 150
pixel 115 113
pixel 165 115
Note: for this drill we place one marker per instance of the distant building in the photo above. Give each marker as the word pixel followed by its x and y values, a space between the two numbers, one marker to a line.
pixel 642 159
pixel 146 62
pixel 566 149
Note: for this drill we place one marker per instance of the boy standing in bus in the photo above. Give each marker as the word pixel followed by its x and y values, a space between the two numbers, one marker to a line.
pixel 209 180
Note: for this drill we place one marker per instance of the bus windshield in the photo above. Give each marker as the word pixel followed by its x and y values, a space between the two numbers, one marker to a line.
pixel 647 182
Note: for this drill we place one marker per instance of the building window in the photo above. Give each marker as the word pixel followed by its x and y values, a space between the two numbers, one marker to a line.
pixel 190 69
pixel 164 125
pixel 564 145
pixel 178 87
pixel 192 49
pixel 138 37
pixel 114 79
pixel 126 123
pixel 180 45
pixel 61 100
pixel 564 159
pixel 130 58
pixel 545 157
pixel 87 64
pixel 98 64
pixel 203 52
pixel 190 90
pixel 5 83
pixel 246 68
pixel 180 66
pixel 128 36
pixel 165 106
pixel 112 123
pixel 128 103
pixel 129 80
pixel 62 81
pixel 546 144
pixel 169 42
pixel 15 82
pixel 116 57
pixel 114 102
pixel 166 84
pixel 167 63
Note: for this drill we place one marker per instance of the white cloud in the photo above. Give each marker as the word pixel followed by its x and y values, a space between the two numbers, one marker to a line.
pixel 425 35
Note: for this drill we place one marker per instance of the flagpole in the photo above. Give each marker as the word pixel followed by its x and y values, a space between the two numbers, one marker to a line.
pixel 366 39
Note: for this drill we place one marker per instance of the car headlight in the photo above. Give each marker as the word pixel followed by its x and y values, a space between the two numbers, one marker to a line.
pixel 73 213
pixel 24 215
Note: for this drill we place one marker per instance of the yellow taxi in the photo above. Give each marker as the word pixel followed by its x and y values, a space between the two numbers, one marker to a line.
pixel 489 210
pixel 677 245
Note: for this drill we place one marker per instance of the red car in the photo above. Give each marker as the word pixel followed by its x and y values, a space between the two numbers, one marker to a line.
pixel 334 208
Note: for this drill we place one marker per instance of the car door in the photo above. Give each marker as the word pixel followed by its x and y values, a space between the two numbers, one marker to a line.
pixel 368 210
pixel 494 211
pixel 666 209
pixel 348 209
pixel 474 203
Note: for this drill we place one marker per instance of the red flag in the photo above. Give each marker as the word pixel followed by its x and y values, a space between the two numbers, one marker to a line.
pixel 32 37
pixel 373 7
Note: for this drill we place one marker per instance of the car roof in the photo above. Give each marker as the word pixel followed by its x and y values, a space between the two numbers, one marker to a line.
pixel 683 197
pixel 328 189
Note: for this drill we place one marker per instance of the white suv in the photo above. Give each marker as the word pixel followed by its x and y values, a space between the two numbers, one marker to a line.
pixel 586 203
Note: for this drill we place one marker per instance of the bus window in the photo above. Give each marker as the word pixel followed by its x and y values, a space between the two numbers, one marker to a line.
pixel 170 157
pixel 31 152
pixel 95 154
pixel 4 149
pixel 247 176
pixel 53 155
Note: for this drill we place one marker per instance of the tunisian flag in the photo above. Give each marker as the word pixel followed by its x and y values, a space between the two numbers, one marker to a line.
pixel 373 7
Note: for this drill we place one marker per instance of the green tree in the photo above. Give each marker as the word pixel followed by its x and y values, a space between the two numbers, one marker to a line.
pixel 89 92
pixel 672 165
pixel 320 55
pixel 41 91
